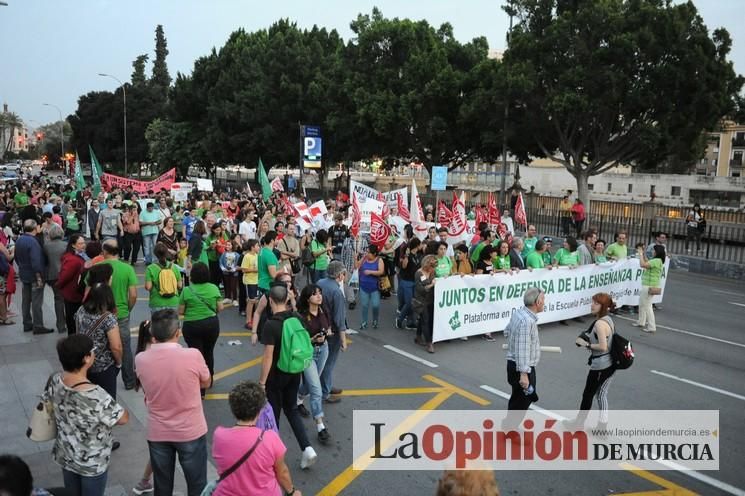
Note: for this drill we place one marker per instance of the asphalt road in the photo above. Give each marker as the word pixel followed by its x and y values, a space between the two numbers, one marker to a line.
pixel 700 340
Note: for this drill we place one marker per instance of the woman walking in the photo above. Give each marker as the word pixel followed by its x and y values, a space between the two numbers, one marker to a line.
pixel 371 269
pixel 199 304
pixel 650 286
pixel 163 288
pixel 169 236
pixel 424 301
pixel 72 264
pixel 598 341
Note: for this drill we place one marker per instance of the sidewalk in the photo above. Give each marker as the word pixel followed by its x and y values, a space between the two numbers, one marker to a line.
pixel 26 361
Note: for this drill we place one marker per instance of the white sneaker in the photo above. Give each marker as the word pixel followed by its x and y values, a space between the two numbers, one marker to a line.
pixel 227 301
pixel 309 457
pixel 235 303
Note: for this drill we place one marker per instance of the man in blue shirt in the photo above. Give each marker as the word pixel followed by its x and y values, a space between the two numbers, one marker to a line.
pixel 335 305
pixel 31 268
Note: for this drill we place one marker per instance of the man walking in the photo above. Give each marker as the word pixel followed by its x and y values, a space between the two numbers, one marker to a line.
pixel 124 287
pixel 31 269
pixel 109 222
pixel 171 377
pixel 282 387
pixel 523 354
pixel 150 220
pixel 335 306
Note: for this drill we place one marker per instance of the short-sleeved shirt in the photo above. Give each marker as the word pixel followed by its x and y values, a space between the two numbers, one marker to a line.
pixel 122 279
pixel 529 246
pixel 171 377
pixel 200 301
pixel 617 251
pixel 250 261
pixel 21 199
pixel 600 258
pixel 109 219
pixel 485 267
pixel 322 261
pixel 153 216
pixel 565 257
pixel 84 421
pixel 84 323
pixel 534 260
pixel 651 276
pixel 502 262
pixel 256 475
pixel 272 336
pixel 152 274
pixel 266 258
pixel 444 266
pixel 188 221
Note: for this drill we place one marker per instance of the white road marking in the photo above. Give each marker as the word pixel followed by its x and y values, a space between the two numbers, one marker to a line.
pixel 722 486
pixel 690 333
pixel 738 304
pixel 728 292
pixel 409 355
pixel 698 384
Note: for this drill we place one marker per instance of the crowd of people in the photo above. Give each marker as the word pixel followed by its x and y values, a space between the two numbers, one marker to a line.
pixel 233 251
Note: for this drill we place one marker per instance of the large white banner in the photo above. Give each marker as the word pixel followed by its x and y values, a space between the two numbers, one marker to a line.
pixel 473 305
pixel 365 191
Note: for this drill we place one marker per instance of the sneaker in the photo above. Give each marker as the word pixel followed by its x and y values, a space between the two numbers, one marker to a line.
pixel 397 323
pixel 324 436
pixel 115 445
pixel 489 337
pixel 242 313
pixel 303 411
pixel 309 458
pixel 375 324
pixel 363 326
pixel 411 327
pixel 332 400
pixel 142 487
pixel 227 301
pixel 464 338
pixel 636 324
pixel 235 303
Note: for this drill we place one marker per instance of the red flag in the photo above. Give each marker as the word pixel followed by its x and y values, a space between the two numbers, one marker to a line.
pixel 520 216
pixel 356 216
pixel 458 222
pixel 276 184
pixel 443 214
pixel 379 230
pixel 481 216
pixel 403 212
pixel 386 211
pixel 493 211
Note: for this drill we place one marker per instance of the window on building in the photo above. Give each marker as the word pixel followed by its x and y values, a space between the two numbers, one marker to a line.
pixel 610 187
pixel 675 191
pixel 631 188
pixel 590 187
pixel 714 162
pixel 736 174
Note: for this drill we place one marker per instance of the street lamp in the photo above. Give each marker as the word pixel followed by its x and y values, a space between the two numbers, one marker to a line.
pixel 61 133
pixel 503 193
pixel 124 92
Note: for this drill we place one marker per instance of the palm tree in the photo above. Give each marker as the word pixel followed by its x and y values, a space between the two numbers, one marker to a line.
pixel 10 121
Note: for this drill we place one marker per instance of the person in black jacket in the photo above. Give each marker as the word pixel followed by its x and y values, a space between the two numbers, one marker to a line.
pixel 516 258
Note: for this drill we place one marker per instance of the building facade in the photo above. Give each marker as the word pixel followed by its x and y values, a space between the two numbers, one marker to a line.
pixel 725 152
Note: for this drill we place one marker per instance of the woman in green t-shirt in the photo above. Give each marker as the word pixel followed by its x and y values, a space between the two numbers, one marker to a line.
pixel 650 279
pixel 320 249
pixel 218 242
pixel 501 257
pixel 567 255
pixel 152 280
pixel 199 304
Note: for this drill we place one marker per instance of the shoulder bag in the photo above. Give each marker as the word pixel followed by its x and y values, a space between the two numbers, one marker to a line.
pixel 202 300
pixel 42 426
pixel 295 263
pixel 210 488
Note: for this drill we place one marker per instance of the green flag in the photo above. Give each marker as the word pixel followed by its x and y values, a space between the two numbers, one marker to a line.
pixel 95 172
pixel 266 188
pixel 79 181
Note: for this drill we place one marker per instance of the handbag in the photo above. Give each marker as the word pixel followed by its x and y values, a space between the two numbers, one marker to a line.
pixel 212 485
pixel 655 291
pixel 42 426
pixel 384 283
pixel 296 264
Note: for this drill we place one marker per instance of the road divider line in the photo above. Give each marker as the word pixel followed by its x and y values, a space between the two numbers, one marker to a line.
pixel 349 474
pixel 738 304
pixel 723 486
pixel 409 355
pixel 236 369
pixel 390 391
pixel 670 488
pixel 735 293
pixel 462 392
pixel 699 384
pixel 690 333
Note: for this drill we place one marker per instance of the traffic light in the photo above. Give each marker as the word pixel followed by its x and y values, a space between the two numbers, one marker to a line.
pixel 39 136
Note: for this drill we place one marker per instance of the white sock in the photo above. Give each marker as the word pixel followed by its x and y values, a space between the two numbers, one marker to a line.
pixel 320 427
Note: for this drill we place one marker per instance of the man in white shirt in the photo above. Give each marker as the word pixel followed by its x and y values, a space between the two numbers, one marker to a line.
pixel 247 229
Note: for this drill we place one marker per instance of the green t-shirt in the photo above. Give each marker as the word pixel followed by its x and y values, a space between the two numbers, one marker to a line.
pixel 152 273
pixel 153 216
pixel 212 253
pixel 122 279
pixel 20 199
pixel 600 258
pixel 444 267
pixel 200 301
pixel 651 276
pixel 501 262
pixel 72 221
pixel 322 261
pixel 266 258
pixel 476 255
pixel 534 260
pixel 614 250
pixel 546 258
pixel 565 257
pixel 528 246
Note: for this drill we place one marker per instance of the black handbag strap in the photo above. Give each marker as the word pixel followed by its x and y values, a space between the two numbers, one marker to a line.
pixel 204 302
pixel 242 459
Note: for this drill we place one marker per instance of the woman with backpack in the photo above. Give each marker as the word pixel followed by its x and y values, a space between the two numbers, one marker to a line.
pixel 598 341
pixel 199 304
pixel 162 280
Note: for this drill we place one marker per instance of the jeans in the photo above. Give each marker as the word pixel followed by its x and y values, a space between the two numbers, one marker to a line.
pixel 192 455
pixel 367 299
pixel 281 392
pixel 312 380
pixel 32 299
pixel 148 243
pixel 128 362
pixel 202 335
pixel 317 275
pixel 327 380
pixel 59 307
pixel 70 309
pixel 83 485
pixel 131 246
pixel 106 379
pixel 405 295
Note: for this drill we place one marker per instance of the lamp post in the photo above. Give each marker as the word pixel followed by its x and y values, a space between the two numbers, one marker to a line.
pixel 61 133
pixel 503 192
pixel 124 92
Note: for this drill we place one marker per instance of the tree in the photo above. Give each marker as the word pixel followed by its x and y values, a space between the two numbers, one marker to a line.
pixel 597 84
pixel 170 144
pixel 50 142
pixel 138 72
pixel 160 79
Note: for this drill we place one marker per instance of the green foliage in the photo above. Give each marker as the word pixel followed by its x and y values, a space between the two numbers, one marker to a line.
pixel 170 144
pixel 138 72
pixel 160 79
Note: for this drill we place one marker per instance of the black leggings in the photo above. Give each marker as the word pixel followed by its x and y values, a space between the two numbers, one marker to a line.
pixel 202 335
pixel 598 382
pixel 70 309
pixel 215 273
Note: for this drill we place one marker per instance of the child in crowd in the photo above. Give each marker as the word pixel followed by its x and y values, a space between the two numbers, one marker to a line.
pixel 181 259
pixel 250 270
pixel 230 273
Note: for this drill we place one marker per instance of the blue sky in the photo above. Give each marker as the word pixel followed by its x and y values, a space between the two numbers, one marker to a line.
pixel 52 50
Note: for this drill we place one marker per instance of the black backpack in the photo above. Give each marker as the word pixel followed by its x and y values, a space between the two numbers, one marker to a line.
pixel 621 352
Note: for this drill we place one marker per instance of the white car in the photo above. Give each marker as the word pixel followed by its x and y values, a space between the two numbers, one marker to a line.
pixel 10 167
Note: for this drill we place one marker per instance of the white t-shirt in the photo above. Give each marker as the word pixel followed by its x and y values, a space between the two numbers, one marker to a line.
pixel 247 230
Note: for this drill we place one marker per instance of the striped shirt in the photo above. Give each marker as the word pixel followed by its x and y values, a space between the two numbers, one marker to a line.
pixel 524 347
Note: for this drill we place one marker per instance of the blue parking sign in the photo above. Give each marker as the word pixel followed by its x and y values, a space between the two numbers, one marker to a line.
pixel 439 178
